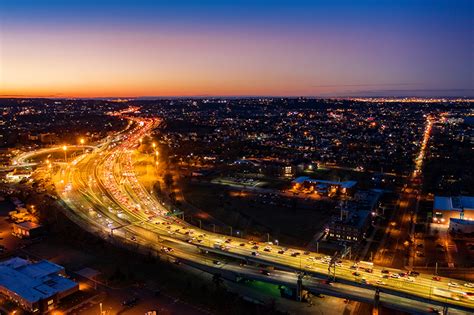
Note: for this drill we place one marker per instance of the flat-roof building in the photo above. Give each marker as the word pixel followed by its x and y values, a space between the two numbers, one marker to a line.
pixel 461 226
pixel 27 229
pixel 445 208
pixel 350 226
pixel 36 286
pixel 325 187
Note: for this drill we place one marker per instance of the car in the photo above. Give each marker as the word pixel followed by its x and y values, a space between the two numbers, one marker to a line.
pixel 267 249
pixel 306 253
pixel 433 310
pixel 469 285
pixel 255 254
pixel 453 284
pixel 242 244
pixel 436 278
pixel 414 273
pixel 355 273
pixel 395 275
pixel 255 247
pixel 295 254
pixel 380 282
pixel 410 279
pixel 281 251
pixel 369 270
pixel 265 272
pixel 353 267
pixel 216 262
pixel 385 271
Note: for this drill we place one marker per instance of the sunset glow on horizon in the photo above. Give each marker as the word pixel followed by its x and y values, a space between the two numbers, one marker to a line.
pixel 313 48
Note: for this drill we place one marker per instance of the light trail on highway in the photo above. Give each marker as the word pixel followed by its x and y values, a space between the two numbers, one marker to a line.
pixel 101 189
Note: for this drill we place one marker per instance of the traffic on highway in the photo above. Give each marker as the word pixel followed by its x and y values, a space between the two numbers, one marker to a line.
pixel 101 189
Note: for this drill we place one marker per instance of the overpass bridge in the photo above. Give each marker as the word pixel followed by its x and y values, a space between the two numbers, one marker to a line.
pixel 353 286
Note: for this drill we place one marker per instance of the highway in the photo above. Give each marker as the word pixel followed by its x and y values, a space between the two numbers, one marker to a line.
pixel 103 194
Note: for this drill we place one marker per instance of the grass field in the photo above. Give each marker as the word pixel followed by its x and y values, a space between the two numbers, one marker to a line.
pixel 287 219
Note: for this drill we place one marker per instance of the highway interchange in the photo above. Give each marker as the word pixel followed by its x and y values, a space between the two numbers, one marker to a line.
pixel 103 194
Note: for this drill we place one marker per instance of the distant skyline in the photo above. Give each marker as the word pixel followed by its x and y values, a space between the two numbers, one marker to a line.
pixel 236 48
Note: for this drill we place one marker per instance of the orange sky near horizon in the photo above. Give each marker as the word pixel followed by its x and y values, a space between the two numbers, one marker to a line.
pixel 78 64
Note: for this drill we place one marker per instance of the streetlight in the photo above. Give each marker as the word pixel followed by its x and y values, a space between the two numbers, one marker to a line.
pixel 82 141
pixel 65 153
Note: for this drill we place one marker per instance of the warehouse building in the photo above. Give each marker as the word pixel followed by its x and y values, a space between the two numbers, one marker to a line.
pixel 37 287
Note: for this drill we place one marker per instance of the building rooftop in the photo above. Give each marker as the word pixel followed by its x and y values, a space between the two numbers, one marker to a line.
pixel 303 179
pixel 355 218
pixel 462 221
pixel 27 225
pixel 453 203
pixel 33 281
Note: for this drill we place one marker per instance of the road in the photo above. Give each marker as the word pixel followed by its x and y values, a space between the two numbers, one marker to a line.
pixel 104 195
pixel 394 248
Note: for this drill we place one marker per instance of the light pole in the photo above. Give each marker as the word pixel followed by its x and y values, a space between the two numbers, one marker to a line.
pixel 65 153
pixel 82 141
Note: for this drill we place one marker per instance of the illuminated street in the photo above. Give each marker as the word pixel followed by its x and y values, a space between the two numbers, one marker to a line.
pixel 104 196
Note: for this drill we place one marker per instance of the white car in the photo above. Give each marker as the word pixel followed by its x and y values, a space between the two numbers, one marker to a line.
pixel 469 285
pixel 453 284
